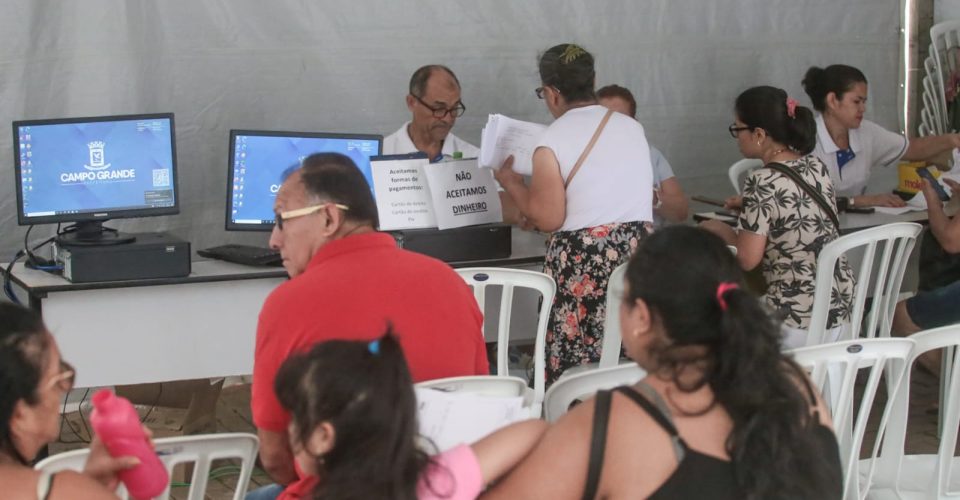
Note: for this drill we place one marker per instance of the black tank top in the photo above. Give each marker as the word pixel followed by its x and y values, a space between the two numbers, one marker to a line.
pixel 697 475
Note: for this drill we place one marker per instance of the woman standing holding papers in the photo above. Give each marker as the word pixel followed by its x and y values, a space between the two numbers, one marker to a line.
pixel 850 145
pixel 592 188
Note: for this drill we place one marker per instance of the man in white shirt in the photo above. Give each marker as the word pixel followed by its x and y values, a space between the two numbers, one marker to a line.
pixel 435 104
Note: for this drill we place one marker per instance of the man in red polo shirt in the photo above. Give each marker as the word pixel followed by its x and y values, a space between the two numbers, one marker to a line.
pixel 349 282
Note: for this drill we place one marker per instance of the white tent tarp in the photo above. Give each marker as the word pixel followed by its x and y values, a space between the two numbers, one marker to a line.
pixel 344 66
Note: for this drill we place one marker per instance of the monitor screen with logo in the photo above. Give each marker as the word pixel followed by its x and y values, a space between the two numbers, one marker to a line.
pixel 88 170
pixel 258 160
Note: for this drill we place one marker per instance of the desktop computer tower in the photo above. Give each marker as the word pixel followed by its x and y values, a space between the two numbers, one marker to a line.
pixel 150 256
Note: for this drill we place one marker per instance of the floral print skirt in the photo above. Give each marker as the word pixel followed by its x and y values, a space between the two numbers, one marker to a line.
pixel 581 262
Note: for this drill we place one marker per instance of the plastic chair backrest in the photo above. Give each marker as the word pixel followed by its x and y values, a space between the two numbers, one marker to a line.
pixel 488 385
pixel 934 108
pixel 944 40
pixel 610 355
pixel 201 450
pixel 895 242
pixel 936 480
pixel 739 168
pixel 479 278
pixel 584 385
pixel 882 358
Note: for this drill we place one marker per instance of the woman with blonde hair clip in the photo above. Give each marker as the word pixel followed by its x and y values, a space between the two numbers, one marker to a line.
pixel 592 189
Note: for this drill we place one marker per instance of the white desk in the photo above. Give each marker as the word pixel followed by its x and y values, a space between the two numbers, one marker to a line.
pixel 130 332
pixel 854 222
pixel 199 326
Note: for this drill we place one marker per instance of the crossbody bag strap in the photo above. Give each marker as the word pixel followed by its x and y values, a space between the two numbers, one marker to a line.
pixel 817 197
pixel 598 444
pixel 586 150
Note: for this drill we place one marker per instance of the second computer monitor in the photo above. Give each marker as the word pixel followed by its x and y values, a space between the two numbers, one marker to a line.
pixel 258 160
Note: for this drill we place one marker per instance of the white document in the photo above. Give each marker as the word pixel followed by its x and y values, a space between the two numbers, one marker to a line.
pixel 503 136
pixel 915 204
pixel 402 193
pixel 462 194
pixel 448 419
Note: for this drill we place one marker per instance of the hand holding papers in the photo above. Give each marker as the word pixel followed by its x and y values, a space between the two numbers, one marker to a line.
pixel 503 136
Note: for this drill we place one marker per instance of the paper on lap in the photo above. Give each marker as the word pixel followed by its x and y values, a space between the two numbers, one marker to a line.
pixel 448 419
pixel 503 136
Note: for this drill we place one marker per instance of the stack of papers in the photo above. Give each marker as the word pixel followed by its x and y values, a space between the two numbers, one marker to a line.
pixel 448 419
pixel 503 136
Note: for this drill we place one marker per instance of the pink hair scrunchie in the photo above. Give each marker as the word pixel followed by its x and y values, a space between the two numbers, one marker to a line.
pixel 792 107
pixel 722 289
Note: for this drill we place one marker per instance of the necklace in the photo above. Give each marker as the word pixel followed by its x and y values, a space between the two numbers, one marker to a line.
pixel 773 154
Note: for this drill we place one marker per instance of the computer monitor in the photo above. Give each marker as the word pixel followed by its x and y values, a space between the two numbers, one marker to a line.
pixel 89 170
pixel 258 160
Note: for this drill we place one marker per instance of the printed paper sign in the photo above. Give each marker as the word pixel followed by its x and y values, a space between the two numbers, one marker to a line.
pixel 463 195
pixel 403 196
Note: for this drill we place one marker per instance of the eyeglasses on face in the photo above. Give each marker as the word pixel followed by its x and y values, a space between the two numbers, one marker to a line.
pixel 64 379
pixel 440 112
pixel 735 130
pixel 300 212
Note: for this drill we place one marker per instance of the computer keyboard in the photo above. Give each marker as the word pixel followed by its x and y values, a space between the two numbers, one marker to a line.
pixel 243 254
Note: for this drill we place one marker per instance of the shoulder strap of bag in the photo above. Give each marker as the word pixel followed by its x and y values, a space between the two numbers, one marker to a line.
pixel 586 150
pixel 817 197
pixel 598 444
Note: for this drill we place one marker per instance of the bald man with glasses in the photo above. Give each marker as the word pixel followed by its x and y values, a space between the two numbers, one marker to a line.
pixel 435 104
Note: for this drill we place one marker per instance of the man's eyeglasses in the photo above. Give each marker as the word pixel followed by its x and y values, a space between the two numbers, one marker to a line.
pixel 65 379
pixel 300 212
pixel 735 130
pixel 439 113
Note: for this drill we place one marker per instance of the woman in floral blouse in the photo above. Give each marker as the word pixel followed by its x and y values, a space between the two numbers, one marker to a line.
pixel 781 227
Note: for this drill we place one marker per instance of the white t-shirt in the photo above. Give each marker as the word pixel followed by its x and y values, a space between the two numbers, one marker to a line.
pixel 399 143
pixel 615 182
pixel 872 144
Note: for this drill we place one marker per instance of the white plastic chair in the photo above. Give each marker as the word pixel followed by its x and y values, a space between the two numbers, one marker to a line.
pixel 923 476
pixel 882 358
pixel 935 101
pixel 610 356
pixel 895 242
pixel 201 450
pixel 934 107
pixel 479 278
pixel 612 341
pixel 487 385
pixel 741 168
pixel 944 42
pixel 584 385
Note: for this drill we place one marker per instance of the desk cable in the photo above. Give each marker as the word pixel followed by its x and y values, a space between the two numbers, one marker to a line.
pixel 33 262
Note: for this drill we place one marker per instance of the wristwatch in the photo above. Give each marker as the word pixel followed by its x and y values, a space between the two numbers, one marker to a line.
pixel 844 202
